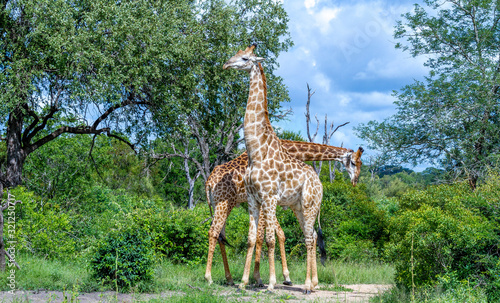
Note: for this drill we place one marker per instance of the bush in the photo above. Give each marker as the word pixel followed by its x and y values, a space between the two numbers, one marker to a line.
pixel 451 232
pixel 354 227
pixel 178 234
pixel 42 229
pixel 124 258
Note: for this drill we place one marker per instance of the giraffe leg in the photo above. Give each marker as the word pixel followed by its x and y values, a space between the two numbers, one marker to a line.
pixel 314 268
pixel 309 239
pixel 270 217
pixel 252 235
pixel 281 240
pixel 229 278
pixel 258 250
pixel 218 222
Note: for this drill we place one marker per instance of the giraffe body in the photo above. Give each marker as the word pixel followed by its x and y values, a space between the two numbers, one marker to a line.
pixel 274 177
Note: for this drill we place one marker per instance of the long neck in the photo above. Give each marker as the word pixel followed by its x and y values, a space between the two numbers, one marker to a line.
pixel 306 151
pixel 259 134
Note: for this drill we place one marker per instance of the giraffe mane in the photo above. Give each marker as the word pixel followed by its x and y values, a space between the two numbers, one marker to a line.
pixel 263 80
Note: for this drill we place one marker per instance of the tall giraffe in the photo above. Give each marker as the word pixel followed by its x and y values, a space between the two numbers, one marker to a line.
pixel 274 177
pixel 225 190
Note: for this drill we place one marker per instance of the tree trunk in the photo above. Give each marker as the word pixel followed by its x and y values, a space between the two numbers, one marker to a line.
pixel 2 243
pixel 15 153
pixel 332 172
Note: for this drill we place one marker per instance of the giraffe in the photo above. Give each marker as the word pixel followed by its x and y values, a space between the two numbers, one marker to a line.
pixel 273 176
pixel 225 190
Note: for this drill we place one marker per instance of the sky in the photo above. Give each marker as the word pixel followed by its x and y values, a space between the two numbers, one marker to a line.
pixel 345 51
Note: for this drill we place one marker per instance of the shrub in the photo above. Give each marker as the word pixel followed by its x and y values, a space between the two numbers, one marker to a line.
pixel 450 231
pixel 124 258
pixel 41 227
pixel 354 227
pixel 178 234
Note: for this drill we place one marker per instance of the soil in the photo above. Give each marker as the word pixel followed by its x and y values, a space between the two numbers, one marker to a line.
pixel 354 293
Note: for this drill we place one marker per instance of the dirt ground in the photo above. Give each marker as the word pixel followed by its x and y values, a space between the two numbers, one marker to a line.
pixel 282 293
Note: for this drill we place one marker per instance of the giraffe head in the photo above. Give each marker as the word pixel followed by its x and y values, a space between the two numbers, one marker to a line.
pixel 244 60
pixel 352 164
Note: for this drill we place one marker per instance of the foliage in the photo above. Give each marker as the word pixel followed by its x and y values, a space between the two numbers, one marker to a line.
pixel 124 258
pixel 41 228
pixel 177 234
pixel 451 231
pixel 451 118
pixel 352 223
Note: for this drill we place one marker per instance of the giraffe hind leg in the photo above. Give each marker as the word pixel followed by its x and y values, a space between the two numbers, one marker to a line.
pixel 222 210
pixel 222 242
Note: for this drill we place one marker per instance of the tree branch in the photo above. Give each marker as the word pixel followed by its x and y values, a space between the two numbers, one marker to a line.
pixel 60 131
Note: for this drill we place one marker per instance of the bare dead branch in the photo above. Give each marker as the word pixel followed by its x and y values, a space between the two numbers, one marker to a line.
pixel 11 260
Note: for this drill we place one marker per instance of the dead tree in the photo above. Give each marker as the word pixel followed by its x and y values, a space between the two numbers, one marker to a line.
pixel 329 131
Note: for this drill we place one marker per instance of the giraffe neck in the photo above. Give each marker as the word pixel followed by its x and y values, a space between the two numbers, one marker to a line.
pixel 259 134
pixel 306 151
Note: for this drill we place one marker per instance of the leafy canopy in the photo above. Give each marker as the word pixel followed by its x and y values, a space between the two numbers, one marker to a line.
pixel 452 117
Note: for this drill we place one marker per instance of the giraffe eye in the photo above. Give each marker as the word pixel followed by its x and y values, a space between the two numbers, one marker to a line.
pixel 244 58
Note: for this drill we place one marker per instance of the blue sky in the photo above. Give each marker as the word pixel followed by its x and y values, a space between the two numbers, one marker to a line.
pixel 345 51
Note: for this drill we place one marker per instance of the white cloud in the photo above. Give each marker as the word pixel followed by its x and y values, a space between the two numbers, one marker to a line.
pixel 324 17
pixel 309 4
pixel 387 67
pixel 322 81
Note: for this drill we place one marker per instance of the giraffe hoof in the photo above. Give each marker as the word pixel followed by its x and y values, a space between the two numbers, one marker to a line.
pixel 230 283
pixel 307 292
pixel 288 283
pixel 269 292
pixel 260 285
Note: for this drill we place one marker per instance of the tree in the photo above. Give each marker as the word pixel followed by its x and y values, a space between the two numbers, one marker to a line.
pixel 213 108
pixel 452 117
pixel 86 67
pixel 326 136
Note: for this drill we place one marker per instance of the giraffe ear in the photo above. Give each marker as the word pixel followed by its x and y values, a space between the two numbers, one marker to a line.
pixel 258 59
pixel 358 154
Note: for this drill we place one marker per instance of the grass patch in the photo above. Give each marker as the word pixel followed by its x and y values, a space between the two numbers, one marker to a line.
pixel 334 272
pixel 461 293
pixel 38 273
pixel 41 274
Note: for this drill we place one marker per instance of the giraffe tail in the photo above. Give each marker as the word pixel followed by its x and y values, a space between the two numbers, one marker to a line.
pixel 208 192
pixel 222 238
pixel 321 243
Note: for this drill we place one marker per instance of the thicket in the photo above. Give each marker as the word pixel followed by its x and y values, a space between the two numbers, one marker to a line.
pixel 448 235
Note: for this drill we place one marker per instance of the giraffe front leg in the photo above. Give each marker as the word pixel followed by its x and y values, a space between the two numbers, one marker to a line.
pixel 258 250
pixel 252 235
pixel 270 219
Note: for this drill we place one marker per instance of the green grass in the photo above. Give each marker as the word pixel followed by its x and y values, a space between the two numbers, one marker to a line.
pixel 38 273
pixel 461 293
pixel 42 274
pixel 334 272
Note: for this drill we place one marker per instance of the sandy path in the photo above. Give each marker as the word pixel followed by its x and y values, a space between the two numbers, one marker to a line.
pixel 359 293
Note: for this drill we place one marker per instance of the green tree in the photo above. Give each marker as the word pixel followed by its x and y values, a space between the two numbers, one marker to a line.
pixel 212 110
pixel 451 117
pixel 86 67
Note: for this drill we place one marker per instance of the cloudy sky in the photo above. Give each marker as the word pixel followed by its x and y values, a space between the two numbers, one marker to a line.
pixel 345 51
